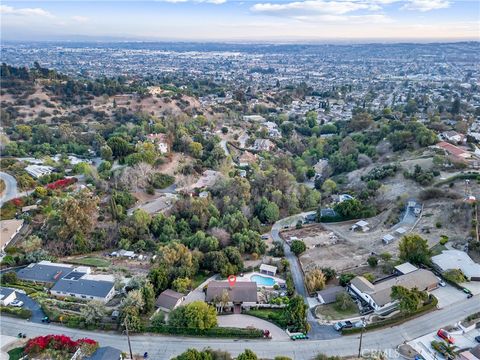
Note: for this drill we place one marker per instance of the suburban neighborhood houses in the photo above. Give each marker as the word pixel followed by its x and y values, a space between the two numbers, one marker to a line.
pixel 198 200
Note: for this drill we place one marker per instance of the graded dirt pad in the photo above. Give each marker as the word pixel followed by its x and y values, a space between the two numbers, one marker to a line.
pixel 445 217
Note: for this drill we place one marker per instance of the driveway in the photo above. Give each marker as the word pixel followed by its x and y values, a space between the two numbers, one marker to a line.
pixel 245 321
pixel 317 331
pixel 448 295
pixel 33 306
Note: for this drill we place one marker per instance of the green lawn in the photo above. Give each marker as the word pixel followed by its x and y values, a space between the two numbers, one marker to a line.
pixel 91 261
pixel 275 316
pixel 198 279
pixel 15 354
pixel 437 249
pixel 329 312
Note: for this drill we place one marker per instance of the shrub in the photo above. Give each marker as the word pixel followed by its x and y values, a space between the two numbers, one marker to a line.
pixel 443 239
pixel 372 261
pixel 298 247
pixel 17 312
pixel 455 276
pixel 212 332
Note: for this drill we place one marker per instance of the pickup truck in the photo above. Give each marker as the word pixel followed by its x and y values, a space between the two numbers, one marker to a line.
pixel 339 326
pixel 343 325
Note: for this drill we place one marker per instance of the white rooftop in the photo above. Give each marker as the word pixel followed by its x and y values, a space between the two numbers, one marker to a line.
pixel 361 223
pixel 269 268
pixel 406 268
pixel 401 230
pixel 456 259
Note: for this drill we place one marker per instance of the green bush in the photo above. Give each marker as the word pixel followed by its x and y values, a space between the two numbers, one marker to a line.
pixel 213 332
pixel 17 312
pixel 273 315
pixel 161 181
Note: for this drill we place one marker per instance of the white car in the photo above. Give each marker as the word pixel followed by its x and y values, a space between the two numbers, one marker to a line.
pixel 16 303
pixel 441 282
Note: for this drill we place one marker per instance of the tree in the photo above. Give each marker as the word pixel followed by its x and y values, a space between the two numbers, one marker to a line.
pixel 247 355
pixel 195 148
pixel 372 261
pixel 455 276
pixel 158 276
pixel 196 315
pixel 329 186
pixel 298 247
pixel 119 146
pixel 315 280
pixel 9 278
pixel 414 249
pixel 345 278
pixel 409 300
pixel 93 312
pixel 296 315
pixel 344 302
pixel 181 284
pixel 148 295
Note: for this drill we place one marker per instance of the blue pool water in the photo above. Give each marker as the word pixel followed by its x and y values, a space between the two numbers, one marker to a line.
pixel 262 280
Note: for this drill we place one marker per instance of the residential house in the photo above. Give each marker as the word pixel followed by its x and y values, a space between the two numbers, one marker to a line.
pixel 452 136
pixel 8 230
pixel 243 295
pixel 106 353
pixel 169 300
pixel 74 285
pixel 456 153
pixel 160 140
pixel 247 159
pixel 378 295
pixel 268 269
pixel 44 272
pixel 456 259
pixel 329 295
pixel 387 239
pixel 7 296
pixel 263 145
pixel 37 171
pixel 254 118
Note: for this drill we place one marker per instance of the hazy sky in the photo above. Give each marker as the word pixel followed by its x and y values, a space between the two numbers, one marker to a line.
pixel 255 20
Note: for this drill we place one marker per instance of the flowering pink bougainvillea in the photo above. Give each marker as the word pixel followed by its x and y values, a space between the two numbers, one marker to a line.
pixel 56 342
pixel 62 183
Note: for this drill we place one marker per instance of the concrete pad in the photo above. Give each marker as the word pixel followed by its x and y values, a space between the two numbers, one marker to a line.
pixel 448 295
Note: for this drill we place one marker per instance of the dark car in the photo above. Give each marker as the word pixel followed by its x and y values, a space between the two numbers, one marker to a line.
pixel 469 296
pixel 477 339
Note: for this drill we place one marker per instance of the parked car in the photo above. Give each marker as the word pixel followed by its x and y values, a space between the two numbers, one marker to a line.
pixel 46 319
pixel 466 291
pixel 343 325
pixel 16 303
pixel 469 296
pixel 477 339
pixel 443 334
pixel 441 282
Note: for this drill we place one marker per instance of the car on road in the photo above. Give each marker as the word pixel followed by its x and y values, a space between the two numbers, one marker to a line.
pixel 477 339
pixel 469 296
pixel 16 303
pixel 443 334
pixel 466 291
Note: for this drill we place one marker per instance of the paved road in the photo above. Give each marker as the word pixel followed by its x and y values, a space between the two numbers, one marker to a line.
pixel 164 347
pixel 29 303
pixel 317 331
pixel 10 188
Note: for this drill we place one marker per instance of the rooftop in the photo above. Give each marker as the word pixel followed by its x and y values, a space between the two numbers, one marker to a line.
pixel 242 291
pixel 456 259
pixel 168 299
pixel 85 287
pixel 44 271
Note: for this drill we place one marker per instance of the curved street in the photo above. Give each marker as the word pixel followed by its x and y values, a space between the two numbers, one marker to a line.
pixel 11 190
pixel 165 347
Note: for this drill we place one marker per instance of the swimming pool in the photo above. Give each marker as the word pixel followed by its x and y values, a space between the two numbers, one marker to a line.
pixel 262 280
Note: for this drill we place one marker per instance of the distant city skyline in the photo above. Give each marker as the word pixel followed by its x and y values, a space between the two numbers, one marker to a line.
pixel 252 20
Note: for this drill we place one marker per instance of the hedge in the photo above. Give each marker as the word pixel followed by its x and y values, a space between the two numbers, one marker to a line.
pixel 470 176
pixel 274 316
pixel 396 320
pixel 18 312
pixel 213 332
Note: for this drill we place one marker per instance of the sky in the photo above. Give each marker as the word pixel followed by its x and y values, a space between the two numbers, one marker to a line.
pixel 246 21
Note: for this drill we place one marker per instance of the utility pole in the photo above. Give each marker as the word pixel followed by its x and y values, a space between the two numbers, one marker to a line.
pixel 361 338
pixel 128 337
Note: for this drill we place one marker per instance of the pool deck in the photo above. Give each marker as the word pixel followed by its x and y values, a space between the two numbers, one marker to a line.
pixel 247 277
